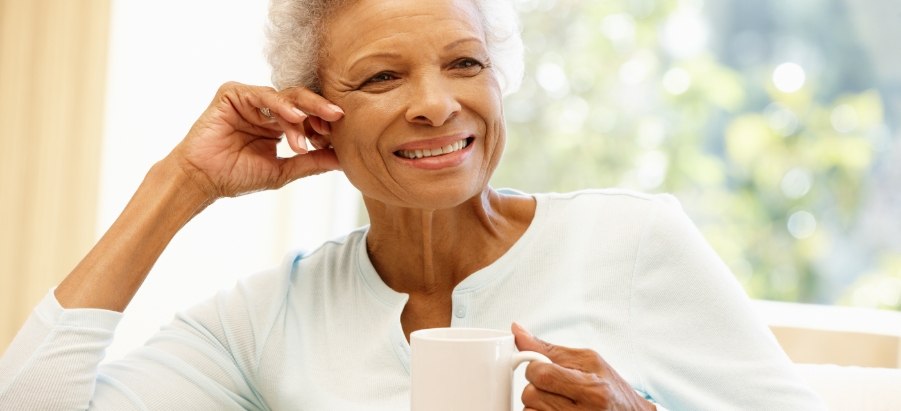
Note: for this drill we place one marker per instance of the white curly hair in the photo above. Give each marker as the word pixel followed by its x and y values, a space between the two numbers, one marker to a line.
pixel 294 39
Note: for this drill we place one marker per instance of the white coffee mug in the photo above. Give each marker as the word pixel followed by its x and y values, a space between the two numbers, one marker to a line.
pixel 464 369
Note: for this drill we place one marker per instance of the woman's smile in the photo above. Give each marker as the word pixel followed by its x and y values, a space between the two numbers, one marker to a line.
pixel 422 100
pixel 437 153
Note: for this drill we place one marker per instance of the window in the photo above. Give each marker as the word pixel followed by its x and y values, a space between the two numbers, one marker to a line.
pixel 773 122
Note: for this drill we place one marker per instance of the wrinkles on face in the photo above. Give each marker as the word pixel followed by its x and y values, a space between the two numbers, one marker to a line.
pixel 373 27
pixel 408 71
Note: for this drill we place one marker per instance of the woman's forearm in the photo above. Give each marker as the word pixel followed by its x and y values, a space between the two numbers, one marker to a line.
pixel 111 273
pixel 230 151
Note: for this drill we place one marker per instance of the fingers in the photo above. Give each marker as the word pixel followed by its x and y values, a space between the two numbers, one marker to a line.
pixel 319 126
pixel 525 341
pixel 297 112
pixel 295 135
pixel 561 388
pixel 312 104
pixel 316 126
pixel 315 129
pixel 578 379
pixel 581 387
pixel 255 102
pixel 534 398
pixel 273 133
pixel 314 162
pixel 259 97
pixel 577 358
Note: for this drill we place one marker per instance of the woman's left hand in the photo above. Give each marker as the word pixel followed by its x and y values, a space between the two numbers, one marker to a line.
pixel 579 379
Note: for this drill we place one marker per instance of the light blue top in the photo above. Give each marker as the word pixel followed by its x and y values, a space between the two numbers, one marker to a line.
pixel 625 274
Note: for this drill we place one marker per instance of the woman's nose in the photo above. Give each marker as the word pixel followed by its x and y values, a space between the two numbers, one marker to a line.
pixel 432 102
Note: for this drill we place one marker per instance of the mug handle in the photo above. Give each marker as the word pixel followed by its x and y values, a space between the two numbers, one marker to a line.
pixel 523 356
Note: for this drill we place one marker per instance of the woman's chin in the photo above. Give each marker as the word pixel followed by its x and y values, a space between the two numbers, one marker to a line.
pixel 432 197
pixel 441 199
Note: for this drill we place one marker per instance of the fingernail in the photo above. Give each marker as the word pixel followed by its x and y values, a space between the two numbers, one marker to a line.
pixel 335 108
pixel 522 329
pixel 320 126
pixel 302 144
pixel 299 113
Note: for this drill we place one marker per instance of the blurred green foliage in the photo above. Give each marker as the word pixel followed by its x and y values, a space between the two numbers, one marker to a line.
pixel 769 162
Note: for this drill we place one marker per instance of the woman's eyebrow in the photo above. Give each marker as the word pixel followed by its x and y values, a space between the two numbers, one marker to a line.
pixel 390 55
pixel 386 55
pixel 458 42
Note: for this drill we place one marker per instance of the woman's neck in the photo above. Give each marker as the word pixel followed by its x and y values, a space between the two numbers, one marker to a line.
pixel 431 251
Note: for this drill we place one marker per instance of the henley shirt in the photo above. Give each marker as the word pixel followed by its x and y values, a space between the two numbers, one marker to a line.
pixel 622 273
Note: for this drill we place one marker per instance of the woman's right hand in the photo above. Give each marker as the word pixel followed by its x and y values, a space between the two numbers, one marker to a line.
pixel 231 149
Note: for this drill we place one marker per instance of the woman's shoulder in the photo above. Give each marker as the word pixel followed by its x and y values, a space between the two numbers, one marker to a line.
pixel 609 195
pixel 609 202
pixel 257 300
pixel 333 255
pixel 620 214
pixel 272 285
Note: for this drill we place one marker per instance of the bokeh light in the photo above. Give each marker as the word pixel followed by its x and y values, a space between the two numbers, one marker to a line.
pixel 777 131
pixel 789 77
pixel 802 224
pixel 676 81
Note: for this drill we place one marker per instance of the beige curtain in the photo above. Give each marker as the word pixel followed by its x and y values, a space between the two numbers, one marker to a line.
pixel 52 76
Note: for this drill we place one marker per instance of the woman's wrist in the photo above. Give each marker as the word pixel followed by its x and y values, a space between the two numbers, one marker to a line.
pixel 188 192
pixel 113 271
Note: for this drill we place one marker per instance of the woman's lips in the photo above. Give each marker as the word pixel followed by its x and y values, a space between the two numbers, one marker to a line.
pixel 413 154
pixel 448 154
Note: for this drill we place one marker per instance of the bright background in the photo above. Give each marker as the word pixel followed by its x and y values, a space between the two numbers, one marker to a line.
pixel 167 59
pixel 775 123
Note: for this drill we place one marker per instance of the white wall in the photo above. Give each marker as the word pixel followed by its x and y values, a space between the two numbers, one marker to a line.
pixel 167 58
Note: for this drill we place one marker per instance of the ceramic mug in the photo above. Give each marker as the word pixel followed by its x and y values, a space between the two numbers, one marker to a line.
pixel 464 369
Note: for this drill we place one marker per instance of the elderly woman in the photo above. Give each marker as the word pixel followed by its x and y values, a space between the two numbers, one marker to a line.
pixel 404 97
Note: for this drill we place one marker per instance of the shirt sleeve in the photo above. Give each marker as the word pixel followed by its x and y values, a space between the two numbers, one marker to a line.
pixel 54 363
pixel 698 341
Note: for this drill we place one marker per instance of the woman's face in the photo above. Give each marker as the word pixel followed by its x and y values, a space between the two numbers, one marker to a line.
pixel 424 121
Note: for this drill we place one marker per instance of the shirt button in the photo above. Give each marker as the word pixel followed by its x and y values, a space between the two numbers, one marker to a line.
pixel 460 311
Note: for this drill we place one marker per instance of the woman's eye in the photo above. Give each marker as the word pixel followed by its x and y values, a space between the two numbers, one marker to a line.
pixel 380 78
pixel 468 63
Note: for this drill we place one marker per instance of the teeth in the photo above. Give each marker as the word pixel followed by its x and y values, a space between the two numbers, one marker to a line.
pixel 450 148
